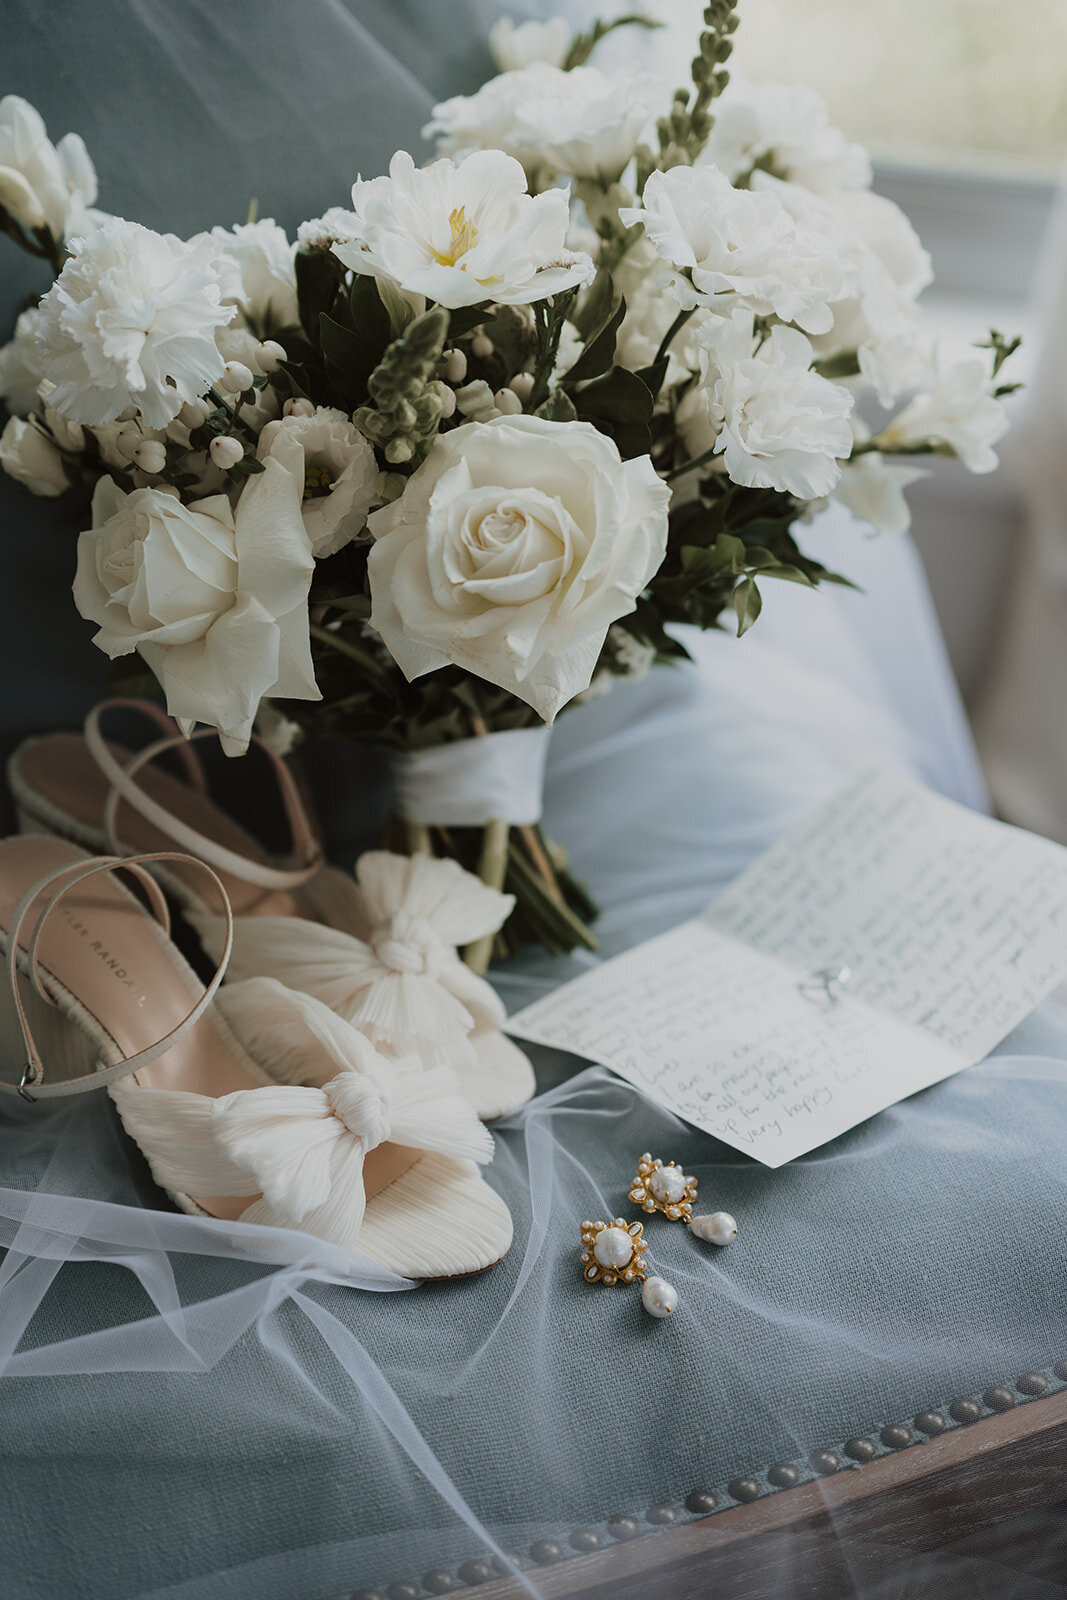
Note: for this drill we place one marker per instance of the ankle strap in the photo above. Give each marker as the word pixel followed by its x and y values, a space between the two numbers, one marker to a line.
pixel 305 846
pixel 67 878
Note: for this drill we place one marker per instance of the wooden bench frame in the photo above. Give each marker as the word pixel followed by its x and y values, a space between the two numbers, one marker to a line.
pixel 819 1537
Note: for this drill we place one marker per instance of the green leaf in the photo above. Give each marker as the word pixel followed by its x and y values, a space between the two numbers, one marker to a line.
pixel 599 352
pixel 652 377
pixel 353 348
pixel 466 318
pixel 319 275
pixel 621 406
pixel 596 306
pixel 559 407
pixel 747 604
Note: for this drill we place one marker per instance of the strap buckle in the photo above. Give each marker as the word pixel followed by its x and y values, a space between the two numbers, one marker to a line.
pixel 29 1075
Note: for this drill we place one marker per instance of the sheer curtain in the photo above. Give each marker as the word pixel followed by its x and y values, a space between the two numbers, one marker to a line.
pixel 1022 721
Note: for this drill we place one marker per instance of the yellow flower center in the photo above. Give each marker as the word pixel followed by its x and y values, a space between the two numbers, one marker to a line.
pixel 318 481
pixel 464 238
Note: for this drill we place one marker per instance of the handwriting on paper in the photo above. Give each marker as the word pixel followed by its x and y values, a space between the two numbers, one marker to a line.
pixel 953 927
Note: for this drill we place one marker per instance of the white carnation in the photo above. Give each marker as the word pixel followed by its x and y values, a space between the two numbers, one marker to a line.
pixel 961 412
pixel 321 233
pixel 257 274
pixel 733 246
pixel 517 44
pixel 785 129
pixel 131 320
pixel 20 366
pixel 461 234
pixel 213 598
pixel 879 321
pixel 336 465
pixel 776 424
pixel 512 550
pixel 584 123
pixel 29 456
pixel 42 185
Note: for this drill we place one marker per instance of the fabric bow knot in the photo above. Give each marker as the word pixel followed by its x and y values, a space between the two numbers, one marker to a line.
pixel 406 943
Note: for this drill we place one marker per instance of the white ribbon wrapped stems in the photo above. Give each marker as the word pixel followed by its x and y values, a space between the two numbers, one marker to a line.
pixel 499 777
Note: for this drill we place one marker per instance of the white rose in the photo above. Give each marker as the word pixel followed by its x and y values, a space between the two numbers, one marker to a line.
pixel 214 599
pixel 584 124
pixel 337 467
pixel 776 424
pixel 960 411
pixel 131 320
pixel 735 246
pixel 512 550
pixel 257 274
pixel 42 185
pixel 20 367
pixel 463 234
pixel 517 44
pixel 787 130
pixel 28 455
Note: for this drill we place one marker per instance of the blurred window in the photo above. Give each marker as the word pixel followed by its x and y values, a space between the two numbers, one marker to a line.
pixel 964 84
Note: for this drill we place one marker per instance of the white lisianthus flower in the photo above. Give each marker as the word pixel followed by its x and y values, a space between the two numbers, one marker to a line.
pixel 42 185
pixel 20 367
pixel 29 456
pixel 873 490
pixel 517 44
pixel 511 551
pixel 585 123
pixel 131 320
pixel 733 246
pixel 214 598
pixel 337 467
pixel 463 234
pixel 785 129
pixel 776 424
pixel 257 274
pixel 321 233
pixel 960 412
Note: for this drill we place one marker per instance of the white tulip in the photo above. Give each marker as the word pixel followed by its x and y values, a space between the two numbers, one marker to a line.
pixel 42 185
pixel 29 456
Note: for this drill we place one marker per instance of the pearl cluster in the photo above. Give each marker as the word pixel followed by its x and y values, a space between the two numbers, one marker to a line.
pixel 612 1252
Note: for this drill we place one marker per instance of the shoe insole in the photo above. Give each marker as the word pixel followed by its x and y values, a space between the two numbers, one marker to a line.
pixel 60 768
pixel 105 949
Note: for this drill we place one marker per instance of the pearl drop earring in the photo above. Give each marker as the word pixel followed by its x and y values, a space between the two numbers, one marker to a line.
pixel 718 1227
pixel 658 1297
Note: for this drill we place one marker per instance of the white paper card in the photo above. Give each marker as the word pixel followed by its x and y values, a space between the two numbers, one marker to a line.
pixel 953 926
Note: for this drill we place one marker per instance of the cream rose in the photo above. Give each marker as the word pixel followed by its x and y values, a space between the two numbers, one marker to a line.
pixel 30 457
pixel 512 550
pixel 214 599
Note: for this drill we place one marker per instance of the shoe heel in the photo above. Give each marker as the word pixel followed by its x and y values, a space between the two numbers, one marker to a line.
pixel 67 1051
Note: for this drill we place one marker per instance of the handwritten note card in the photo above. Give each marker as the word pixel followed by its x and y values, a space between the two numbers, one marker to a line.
pixel 953 928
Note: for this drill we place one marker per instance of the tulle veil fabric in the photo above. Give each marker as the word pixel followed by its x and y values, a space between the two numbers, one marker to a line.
pixel 194 1409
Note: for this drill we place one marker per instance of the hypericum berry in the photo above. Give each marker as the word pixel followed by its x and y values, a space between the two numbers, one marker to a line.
pixel 268 354
pixel 235 377
pixel 150 456
pixel 298 408
pixel 226 452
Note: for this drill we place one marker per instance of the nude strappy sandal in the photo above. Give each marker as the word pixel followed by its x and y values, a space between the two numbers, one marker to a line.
pixel 251 1102
pixel 83 788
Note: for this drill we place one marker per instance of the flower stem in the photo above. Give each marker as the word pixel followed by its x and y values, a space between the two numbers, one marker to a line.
pixel 688 466
pixel 676 327
pixel 492 869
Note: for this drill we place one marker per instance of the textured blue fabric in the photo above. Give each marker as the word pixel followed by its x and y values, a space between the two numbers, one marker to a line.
pixel 212 1452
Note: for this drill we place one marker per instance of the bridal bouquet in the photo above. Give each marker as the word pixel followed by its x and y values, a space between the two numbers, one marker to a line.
pixel 469 451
